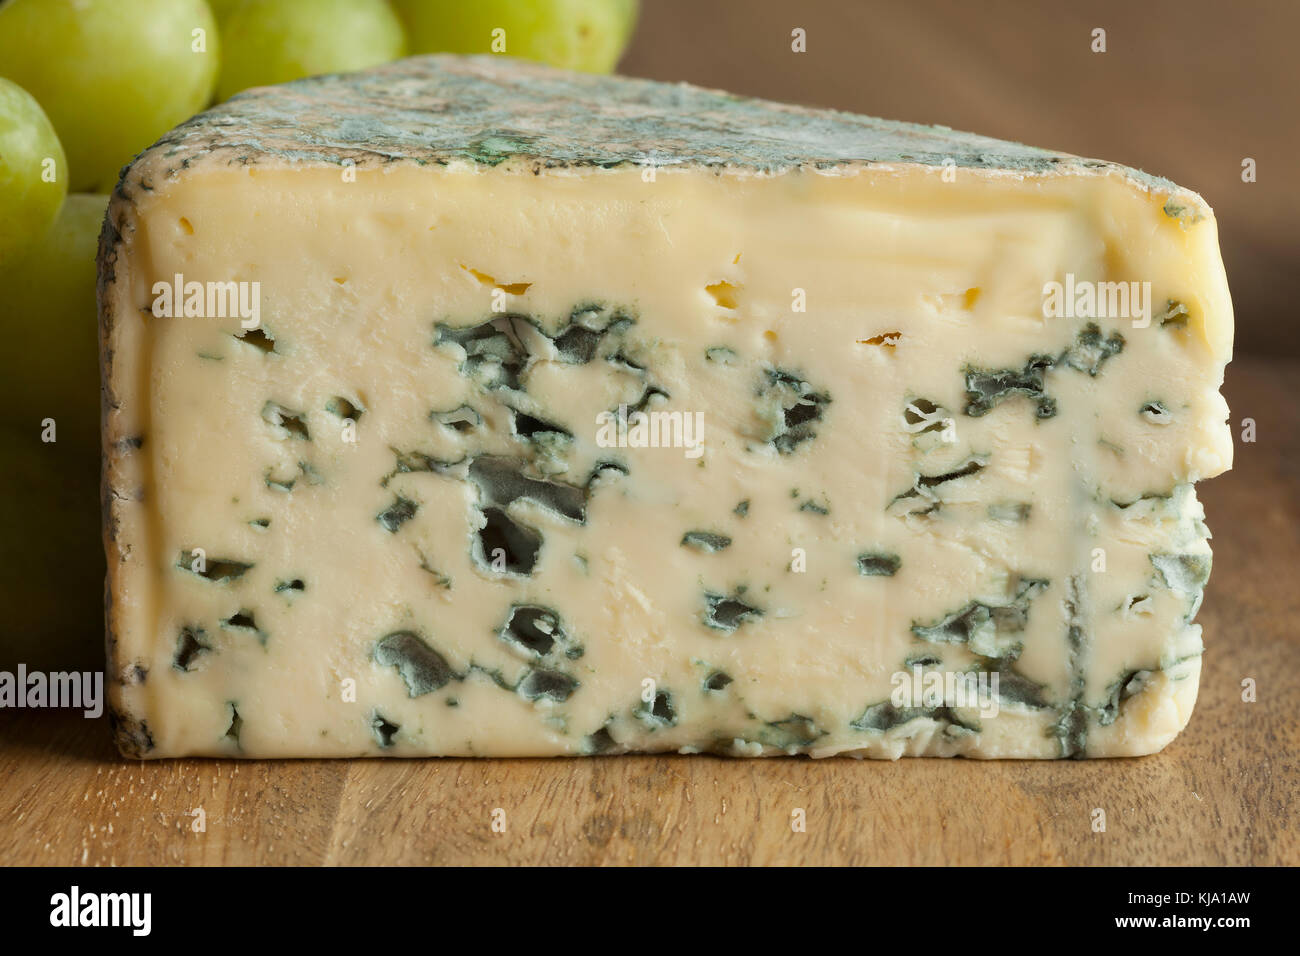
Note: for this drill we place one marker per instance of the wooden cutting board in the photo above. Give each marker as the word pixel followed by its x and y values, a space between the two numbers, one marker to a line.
pixel 1222 793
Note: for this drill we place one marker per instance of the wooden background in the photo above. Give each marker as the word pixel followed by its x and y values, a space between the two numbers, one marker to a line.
pixel 1223 792
pixel 1186 89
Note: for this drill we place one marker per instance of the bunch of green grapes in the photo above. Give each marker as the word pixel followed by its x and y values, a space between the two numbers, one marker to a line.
pixel 587 35
pixel 273 41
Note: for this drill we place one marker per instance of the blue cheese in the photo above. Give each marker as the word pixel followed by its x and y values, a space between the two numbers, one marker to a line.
pixel 467 407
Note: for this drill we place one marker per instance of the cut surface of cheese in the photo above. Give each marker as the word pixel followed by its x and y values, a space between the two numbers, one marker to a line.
pixel 468 407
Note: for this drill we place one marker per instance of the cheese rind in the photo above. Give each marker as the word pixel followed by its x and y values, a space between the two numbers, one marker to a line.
pixel 418 533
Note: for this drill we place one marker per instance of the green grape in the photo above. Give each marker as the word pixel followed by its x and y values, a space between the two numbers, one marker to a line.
pixel 221 9
pixel 584 35
pixel 50 328
pixel 52 553
pixel 274 41
pixel 113 75
pixel 33 171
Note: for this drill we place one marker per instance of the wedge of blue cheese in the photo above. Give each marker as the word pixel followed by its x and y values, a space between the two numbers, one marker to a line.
pixel 467 407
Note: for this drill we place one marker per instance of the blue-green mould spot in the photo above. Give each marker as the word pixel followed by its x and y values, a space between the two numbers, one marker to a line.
pixel 988 388
pixel 293 586
pixel 440 580
pixel 504 546
pixel 279 484
pixel 705 541
pixel 501 482
pixel 1185 573
pixel 1182 212
pixel 243 620
pixel 494 350
pixel 292 423
pixel 1129 684
pixel 384 730
pixel 541 683
pixel 463 419
pixel 236 723
pixel 602 741
pixel 397 514
pixel 191 642
pixel 878 564
pixel 659 712
pixel 802 408
pixel 922 660
pixel 1146 496
pixel 1071 726
pixel 412 462
pixel 343 408
pixel 1018 689
pixel 577 344
pixel 306 471
pixel 651 394
pixel 532 429
pixel 537 631
pixel 791 733
pixel 1090 350
pixel 216 570
pixel 984 626
pixel 885 716
pixel 422 668
pixel 1071 729
pixel 923 485
pixel 718 680
pixel 1156 413
pixel 741 510
pixel 1010 512
pixel 723 613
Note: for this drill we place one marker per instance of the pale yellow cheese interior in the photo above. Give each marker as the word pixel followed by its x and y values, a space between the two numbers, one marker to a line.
pixel 907 278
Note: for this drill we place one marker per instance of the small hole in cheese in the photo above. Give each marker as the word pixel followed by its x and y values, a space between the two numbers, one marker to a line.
pixel 884 340
pixel 724 294
pixel 512 288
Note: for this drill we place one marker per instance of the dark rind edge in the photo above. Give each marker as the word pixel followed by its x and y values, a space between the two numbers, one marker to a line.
pixel 129 733
pixel 492 110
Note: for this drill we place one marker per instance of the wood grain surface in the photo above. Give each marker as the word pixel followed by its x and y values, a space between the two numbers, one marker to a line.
pixel 1222 793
